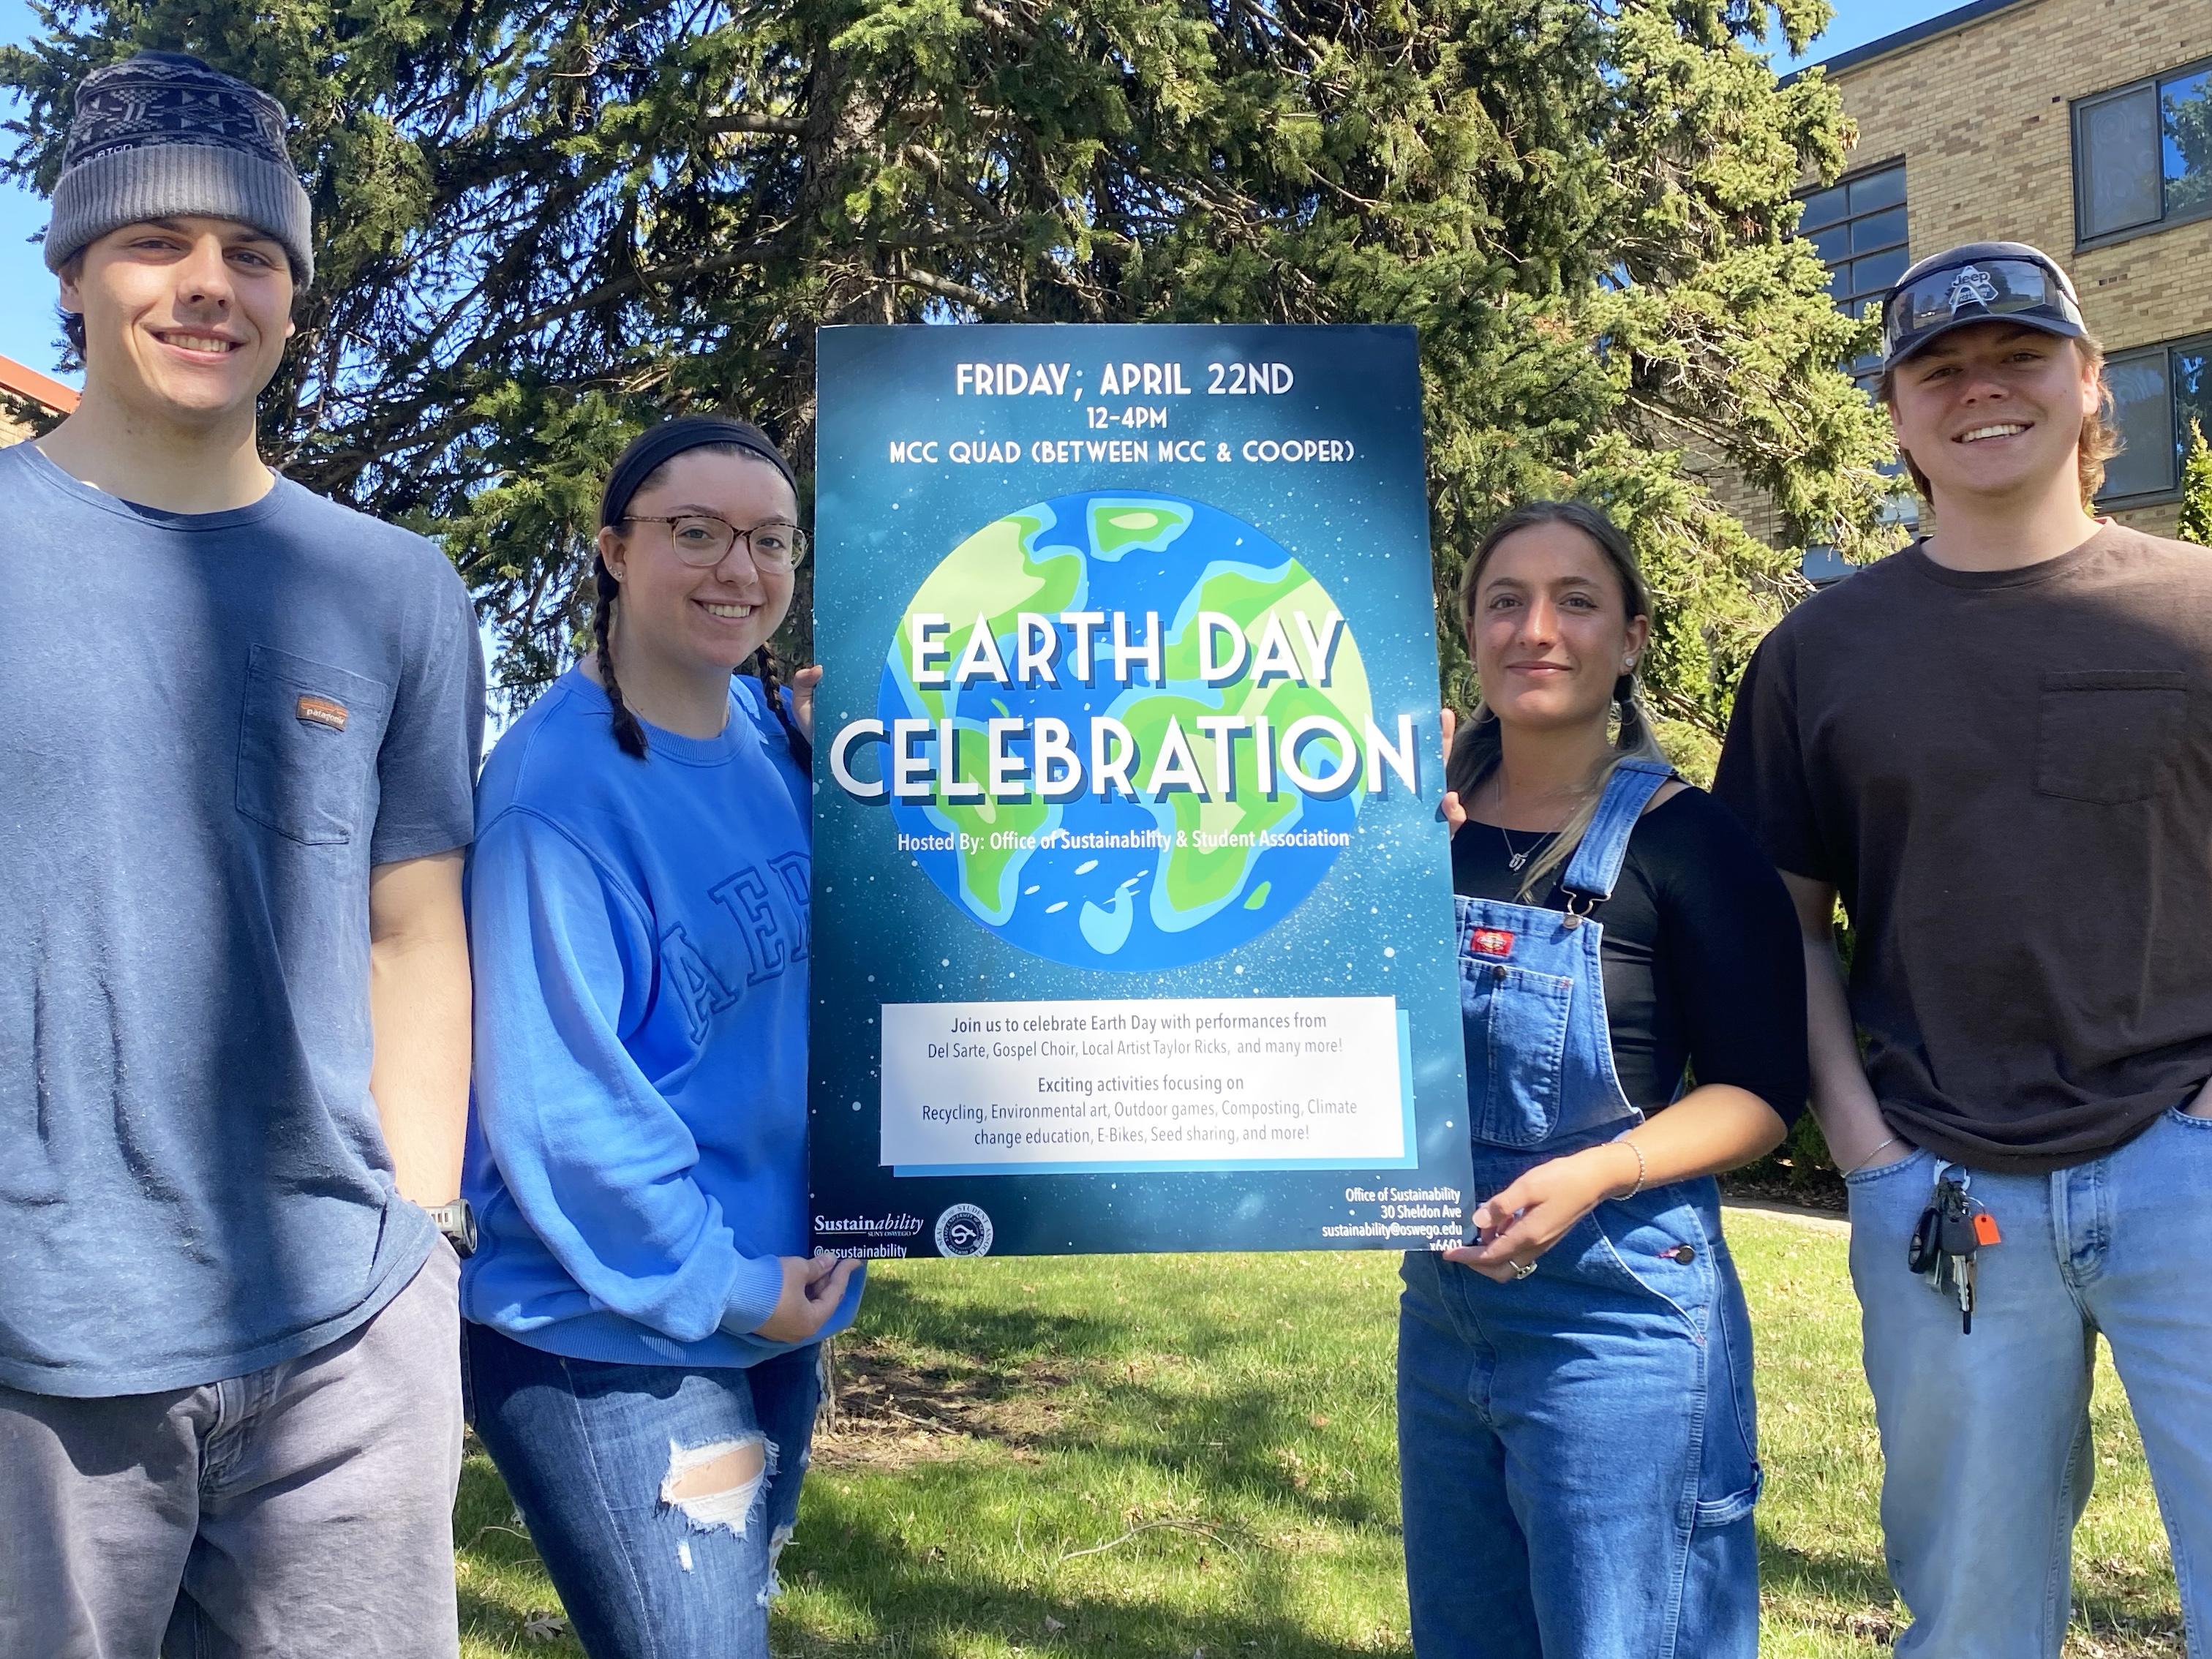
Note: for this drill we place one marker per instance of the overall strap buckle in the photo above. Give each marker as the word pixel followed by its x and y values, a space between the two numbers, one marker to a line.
pixel 1596 863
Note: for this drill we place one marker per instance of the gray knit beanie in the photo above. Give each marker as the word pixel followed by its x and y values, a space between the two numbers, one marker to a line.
pixel 163 135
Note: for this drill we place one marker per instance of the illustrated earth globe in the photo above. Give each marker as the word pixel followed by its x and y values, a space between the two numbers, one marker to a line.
pixel 1100 880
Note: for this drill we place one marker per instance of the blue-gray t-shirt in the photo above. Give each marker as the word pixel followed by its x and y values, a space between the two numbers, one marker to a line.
pixel 211 726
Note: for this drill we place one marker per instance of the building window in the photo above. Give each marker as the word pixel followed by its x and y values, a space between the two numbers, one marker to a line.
pixel 2142 156
pixel 1857 228
pixel 2157 393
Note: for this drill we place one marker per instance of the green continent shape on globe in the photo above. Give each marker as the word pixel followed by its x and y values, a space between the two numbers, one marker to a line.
pixel 997 573
pixel 990 876
pixel 1196 882
pixel 1134 524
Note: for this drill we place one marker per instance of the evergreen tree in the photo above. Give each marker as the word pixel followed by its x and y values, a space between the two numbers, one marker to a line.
pixel 540 223
pixel 2197 489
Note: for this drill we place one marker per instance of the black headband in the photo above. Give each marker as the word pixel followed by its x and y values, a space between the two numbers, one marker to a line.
pixel 655 447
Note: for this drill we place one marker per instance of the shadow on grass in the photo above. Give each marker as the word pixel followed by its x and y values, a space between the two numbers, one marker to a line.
pixel 902 1584
pixel 887 1586
pixel 489 1619
pixel 1851 1581
pixel 945 1313
pixel 1016 1397
pixel 2114 1617
pixel 501 1581
pixel 947 1309
pixel 1860 1591
pixel 1237 1440
pixel 914 1598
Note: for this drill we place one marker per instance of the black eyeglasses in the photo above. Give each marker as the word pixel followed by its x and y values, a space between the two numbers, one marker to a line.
pixel 1979 289
pixel 704 541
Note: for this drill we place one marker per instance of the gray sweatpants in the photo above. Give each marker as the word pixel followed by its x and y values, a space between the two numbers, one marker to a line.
pixel 304 1509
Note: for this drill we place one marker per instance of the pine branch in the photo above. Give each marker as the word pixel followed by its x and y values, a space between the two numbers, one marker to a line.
pixel 980 303
pixel 787 124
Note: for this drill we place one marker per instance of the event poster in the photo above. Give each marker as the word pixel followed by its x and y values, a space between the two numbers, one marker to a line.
pixel 1133 920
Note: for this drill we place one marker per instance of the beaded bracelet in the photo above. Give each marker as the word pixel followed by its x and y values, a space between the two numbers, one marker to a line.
pixel 1640 1168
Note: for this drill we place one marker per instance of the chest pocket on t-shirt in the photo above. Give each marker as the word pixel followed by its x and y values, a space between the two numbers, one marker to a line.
pixel 306 746
pixel 2105 734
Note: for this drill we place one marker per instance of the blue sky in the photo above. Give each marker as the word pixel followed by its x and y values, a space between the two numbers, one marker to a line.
pixel 27 332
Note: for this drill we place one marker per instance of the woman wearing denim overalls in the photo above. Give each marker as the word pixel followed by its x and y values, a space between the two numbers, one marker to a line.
pixel 1576 1427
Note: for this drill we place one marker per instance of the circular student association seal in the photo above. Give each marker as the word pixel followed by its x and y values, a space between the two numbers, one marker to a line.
pixel 963 1230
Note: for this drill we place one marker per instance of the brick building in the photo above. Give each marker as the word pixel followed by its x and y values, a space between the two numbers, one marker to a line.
pixel 29 402
pixel 2083 126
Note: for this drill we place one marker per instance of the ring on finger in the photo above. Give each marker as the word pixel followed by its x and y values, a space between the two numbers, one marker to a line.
pixel 1522 1269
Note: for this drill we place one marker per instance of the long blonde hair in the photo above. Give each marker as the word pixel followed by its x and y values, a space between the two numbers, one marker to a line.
pixel 1476 750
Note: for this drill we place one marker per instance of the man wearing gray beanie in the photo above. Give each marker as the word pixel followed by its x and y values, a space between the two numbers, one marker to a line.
pixel 236 754
pixel 164 134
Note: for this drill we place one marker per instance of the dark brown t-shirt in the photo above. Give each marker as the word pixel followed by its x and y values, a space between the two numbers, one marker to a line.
pixel 2007 776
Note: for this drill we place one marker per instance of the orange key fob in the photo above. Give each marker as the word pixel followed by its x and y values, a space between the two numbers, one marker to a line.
pixel 1985 1229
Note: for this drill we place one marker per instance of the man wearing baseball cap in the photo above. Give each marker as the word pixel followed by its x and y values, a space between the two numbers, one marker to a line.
pixel 238 732
pixel 1996 746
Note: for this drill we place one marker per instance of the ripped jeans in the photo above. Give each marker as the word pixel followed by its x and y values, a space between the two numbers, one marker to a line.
pixel 659 1495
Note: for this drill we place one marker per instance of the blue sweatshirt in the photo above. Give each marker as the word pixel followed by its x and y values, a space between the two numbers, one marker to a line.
pixel 638 1152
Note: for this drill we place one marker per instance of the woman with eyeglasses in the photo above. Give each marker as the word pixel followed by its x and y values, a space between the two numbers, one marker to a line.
pixel 644 1320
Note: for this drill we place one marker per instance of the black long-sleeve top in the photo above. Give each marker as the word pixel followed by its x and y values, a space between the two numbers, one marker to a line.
pixel 1704 965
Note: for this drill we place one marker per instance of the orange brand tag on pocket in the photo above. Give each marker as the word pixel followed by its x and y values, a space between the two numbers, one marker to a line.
pixel 1491 942
pixel 322 711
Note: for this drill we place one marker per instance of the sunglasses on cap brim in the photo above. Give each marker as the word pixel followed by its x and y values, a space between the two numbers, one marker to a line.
pixel 1977 289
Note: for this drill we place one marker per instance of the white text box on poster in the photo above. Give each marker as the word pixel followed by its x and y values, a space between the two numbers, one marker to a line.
pixel 1182 1083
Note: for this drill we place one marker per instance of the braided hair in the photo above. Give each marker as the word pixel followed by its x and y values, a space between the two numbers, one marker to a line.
pixel 630 733
pixel 769 672
pixel 636 467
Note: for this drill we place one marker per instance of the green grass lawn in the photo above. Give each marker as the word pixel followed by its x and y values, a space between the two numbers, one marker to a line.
pixel 1172 1456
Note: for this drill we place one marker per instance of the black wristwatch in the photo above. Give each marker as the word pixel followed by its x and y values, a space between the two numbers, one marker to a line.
pixel 458 1224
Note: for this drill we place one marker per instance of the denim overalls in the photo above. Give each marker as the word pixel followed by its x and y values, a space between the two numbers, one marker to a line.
pixel 1577 1448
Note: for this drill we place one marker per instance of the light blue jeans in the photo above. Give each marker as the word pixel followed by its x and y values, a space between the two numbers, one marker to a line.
pixel 1578 1448
pixel 594 1456
pixel 1985 1437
